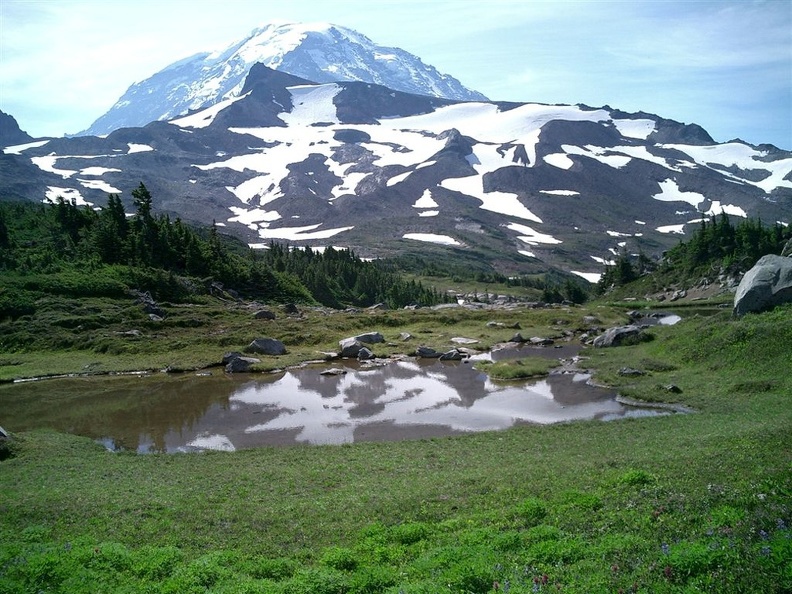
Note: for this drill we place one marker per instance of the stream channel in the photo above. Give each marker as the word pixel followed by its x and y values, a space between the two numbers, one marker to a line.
pixel 401 399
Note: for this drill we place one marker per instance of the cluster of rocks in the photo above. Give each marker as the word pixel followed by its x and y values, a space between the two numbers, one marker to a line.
pixel 355 347
pixel 452 355
pixel 150 306
pixel 236 362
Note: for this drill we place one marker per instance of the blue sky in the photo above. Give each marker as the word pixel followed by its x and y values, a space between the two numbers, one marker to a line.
pixel 726 65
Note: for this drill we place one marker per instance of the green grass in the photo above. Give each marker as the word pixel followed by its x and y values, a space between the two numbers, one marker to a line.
pixel 683 503
pixel 518 368
pixel 101 335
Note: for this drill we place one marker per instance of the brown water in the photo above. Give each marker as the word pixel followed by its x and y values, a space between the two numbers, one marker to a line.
pixel 400 400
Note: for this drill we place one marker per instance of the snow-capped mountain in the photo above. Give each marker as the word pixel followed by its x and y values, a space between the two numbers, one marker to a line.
pixel 319 52
pixel 521 186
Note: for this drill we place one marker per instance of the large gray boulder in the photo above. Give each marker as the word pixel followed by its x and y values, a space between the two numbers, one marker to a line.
pixel 349 347
pixel 767 284
pixel 266 346
pixel 617 336
pixel 240 364
pixel 370 338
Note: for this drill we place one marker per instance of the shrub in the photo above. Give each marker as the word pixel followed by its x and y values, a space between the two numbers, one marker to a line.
pixel 532 511
pixel 635 478
pixel 340 558
pixel 410 533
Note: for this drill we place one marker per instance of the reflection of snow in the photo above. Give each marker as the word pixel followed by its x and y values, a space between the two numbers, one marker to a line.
pixel 331 408
pixel 212 442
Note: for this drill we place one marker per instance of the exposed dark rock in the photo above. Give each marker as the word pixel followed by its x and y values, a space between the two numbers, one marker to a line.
pixel 540 341
pixel 365 354
pixel 405 336
pixel 241 364
pixel 264 314
pixel 229 356
pixel 7 444
pixel 427 352
pixel 453 355
pixel 10 132
pixel 350 347
pixel 267 346
pixel 518 338
pixel 290 309
pixel 766 285
pixel 370 338
pixel 150 306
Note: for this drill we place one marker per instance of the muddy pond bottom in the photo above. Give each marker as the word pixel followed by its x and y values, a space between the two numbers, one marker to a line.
pixel 407 399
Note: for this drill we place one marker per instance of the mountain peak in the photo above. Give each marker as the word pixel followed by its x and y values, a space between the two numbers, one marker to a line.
pixel 321 52
pixel 10 132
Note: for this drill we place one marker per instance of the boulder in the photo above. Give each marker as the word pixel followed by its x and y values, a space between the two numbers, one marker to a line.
pixel 427 352
pixel 453 355
pixel 518 338
pixel 370 337
pixel 229 356
pixel 290 309
pixel 267 346
pixel 540 341
pixel 7 444
pixel 240 364
pixel 350 347
pixel 463 340
pixel 365 354
pixel 264 314
pixel 617 335
pixel 405 336
pixel 767 284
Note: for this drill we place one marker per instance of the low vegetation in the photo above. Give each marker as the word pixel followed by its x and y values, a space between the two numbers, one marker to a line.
pixel 518 368
pixel 681 503
pixel 687 502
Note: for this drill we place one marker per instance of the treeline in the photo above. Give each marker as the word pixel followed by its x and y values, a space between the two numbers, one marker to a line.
pixel 101 251
pixel 730 247
pixel 716 246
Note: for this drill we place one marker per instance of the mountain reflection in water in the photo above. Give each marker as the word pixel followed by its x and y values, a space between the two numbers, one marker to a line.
pixel 400 400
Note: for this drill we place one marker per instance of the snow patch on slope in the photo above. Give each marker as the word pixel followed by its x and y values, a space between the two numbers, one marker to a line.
pixel 432 238
pixel 313 104
pixel 205 117
pixel 670 192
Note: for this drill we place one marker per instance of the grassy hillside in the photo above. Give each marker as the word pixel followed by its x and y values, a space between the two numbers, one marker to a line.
pixel 697 502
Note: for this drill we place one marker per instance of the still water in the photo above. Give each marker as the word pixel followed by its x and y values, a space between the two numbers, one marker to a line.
pixel 413 398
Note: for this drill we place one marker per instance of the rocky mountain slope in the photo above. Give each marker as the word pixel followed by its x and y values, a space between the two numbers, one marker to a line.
pixel 10 132
pixel 316 51
pixel 521 187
